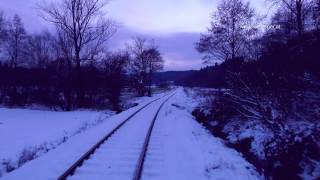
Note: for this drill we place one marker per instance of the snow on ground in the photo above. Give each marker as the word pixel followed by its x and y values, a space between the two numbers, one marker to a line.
pixel 116 159
pixel 24 131
pixel 21 128
pixel 55 162
pixel 181 149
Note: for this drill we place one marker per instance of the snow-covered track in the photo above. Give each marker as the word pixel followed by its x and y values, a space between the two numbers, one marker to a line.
pixel 72 171
pixel 139 167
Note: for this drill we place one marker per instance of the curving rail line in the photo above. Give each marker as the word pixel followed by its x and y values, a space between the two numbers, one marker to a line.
pixel 139 167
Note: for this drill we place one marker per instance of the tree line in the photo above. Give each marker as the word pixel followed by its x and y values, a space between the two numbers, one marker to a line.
pixel 70 66
pixel 268 76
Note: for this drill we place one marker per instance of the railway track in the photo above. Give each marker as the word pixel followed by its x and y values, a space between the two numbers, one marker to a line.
pixel 122 152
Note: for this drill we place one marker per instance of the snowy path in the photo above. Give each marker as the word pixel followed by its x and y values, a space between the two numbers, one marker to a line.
pixel 179 149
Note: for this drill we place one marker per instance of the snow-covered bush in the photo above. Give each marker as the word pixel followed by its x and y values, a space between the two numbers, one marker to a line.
pixel 279 133
pixel 27 155
pixel 8 166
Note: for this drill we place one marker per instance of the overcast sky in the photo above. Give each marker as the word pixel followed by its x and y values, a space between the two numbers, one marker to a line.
pixel 174 24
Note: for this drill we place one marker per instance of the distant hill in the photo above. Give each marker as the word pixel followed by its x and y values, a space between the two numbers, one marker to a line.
pixel 178 77
pixel 213 76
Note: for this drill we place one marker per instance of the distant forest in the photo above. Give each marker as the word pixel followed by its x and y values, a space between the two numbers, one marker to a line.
pixel 282 59
pixel 211 77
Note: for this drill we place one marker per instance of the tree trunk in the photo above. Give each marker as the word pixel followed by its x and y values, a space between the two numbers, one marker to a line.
pixel 233 43
pixel 318 17
pixel 78 79
pixel 150 78
pixel 149 88
pixel 299 17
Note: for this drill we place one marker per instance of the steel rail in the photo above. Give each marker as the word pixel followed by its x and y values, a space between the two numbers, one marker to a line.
pixel 70 171
pixel 142 157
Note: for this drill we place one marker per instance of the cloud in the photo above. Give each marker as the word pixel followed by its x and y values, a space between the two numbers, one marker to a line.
pixel 165 16
pixel 177 49
pixel 26 9
pixel 182 64
pixel 174 24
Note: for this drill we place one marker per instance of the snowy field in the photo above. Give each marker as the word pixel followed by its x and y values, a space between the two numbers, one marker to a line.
pixel 24 130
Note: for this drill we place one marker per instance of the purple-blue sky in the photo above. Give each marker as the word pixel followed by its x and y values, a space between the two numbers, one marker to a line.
pixel 174 24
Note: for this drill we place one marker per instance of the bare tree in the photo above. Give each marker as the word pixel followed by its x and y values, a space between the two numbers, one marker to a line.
pixel 233 25
pixel 316 14
pixel 15 42
pixel 115 66
pixel 2 26
pixel 40 47
pixel 63 47
pixel 300 9
pixel 155 63
pixel 81 24
pixel 2 31
pixel 139 65
pixel 145 62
